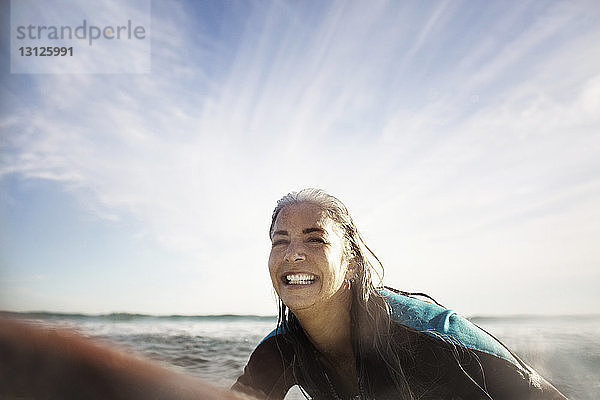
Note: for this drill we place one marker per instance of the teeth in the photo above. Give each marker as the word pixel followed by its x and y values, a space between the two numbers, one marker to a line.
pixel 300 279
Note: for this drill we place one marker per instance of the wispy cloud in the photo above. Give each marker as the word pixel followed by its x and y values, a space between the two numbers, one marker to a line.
pixel 432 130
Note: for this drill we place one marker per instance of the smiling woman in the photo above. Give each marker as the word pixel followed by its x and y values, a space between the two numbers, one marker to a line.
pixel 303 232
pixel 339 336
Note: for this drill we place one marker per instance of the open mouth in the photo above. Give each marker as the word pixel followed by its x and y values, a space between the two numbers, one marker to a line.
pixel 299 279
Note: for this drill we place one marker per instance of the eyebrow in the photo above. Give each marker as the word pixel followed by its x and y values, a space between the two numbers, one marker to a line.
pixel 304 231
pixel 310 230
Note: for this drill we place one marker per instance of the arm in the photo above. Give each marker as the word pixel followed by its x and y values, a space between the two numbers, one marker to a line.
pixel 504 380
pixel 268 374
pixel 45 363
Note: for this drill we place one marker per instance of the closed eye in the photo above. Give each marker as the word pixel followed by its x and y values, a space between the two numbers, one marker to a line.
pixel 280 241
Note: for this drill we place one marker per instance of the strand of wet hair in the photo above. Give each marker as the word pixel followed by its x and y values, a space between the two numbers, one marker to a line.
pixel 402 292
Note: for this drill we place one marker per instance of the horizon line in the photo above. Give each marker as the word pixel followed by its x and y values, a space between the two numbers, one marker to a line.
pixel 131 315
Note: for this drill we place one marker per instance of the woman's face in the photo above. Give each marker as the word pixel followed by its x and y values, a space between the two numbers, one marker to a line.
pixel 307 262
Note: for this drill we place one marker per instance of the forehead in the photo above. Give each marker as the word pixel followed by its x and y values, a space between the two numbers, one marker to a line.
pixel 296 217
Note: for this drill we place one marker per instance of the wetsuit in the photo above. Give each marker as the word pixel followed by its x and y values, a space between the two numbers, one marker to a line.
pixel 448 357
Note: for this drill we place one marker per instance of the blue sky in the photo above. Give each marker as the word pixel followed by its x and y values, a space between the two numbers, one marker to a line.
pixel 463 136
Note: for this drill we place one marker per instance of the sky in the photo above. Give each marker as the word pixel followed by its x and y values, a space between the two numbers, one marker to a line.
pixel 463 136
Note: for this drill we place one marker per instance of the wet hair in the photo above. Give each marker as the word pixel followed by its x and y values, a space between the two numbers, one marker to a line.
pixel 375 350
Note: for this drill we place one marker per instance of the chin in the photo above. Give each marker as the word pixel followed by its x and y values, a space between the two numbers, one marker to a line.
pixel 295 303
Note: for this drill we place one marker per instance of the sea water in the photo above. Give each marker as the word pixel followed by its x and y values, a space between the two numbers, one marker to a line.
pixel 565 350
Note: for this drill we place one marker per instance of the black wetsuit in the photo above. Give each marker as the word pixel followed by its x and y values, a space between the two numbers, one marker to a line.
pixel 448 358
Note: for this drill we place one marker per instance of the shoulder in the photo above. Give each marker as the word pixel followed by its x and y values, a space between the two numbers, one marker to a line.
pixel 501 370
pixel 444 324
pixel 267 373
pixel 273 351
pixel 277 332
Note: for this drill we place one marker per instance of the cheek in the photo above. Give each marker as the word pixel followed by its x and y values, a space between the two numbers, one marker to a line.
pixel 342 266
pixel 337 268
pixel 272 266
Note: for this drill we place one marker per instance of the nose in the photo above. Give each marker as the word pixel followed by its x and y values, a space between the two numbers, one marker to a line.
pixel 294 253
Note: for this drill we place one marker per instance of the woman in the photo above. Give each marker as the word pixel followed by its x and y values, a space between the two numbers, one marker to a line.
pixel 339 337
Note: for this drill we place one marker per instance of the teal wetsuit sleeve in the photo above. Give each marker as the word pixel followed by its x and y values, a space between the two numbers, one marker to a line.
pixel 504 375
pixel 444 324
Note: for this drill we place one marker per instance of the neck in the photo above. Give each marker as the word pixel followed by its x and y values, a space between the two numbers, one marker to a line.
pixel 328 327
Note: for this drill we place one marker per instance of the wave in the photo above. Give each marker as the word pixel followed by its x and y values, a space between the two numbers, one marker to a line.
pixel 133 317
pixel 123 316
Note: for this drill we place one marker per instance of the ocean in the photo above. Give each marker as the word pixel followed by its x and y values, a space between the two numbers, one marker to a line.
pixel 563 349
